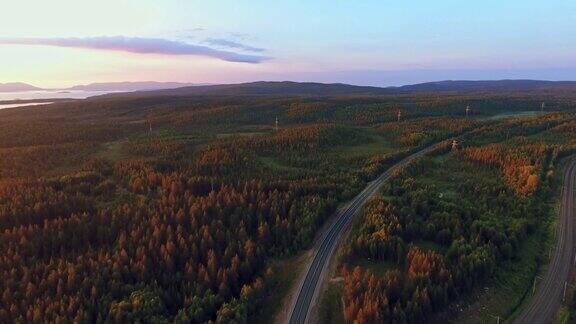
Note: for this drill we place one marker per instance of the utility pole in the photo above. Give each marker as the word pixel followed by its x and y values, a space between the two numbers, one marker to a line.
pixel 564 294
pixel 496 317
pixel 399 115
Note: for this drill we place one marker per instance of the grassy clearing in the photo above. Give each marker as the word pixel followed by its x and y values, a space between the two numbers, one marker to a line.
pixel 112 151
pixel 225 135
pixel 277 165
pixel 347 156
pixel 376 144
pixel 378 268
pixel 518 114
pixel 444 174
pixel 331 307
pixel 285 274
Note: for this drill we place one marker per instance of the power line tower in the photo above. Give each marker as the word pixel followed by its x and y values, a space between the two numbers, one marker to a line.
pixel 543 106
pixel 150 125
pixel 276 124
pixel 468 110
pixel 399 115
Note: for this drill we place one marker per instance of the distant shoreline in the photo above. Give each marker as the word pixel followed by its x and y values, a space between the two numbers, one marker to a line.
pixel 22 105
pixel 37 96
pixel 26 101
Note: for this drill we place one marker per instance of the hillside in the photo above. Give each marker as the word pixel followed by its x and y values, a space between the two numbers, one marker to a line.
pixel 129 86
pixel 288 88
pixel 17 87
pixel 189 208
pixel 263 88
pixel 313 89
pixel 498 85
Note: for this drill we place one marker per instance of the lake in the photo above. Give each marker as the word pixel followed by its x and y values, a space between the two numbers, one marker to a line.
pixel 49 94
pixel 23 104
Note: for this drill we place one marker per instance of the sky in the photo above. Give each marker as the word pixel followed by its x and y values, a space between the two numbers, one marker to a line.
pixel 62 43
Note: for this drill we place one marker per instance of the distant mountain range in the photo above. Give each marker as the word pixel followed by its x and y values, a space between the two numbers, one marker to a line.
pixel 336 89
pixel 499 85
pixel 104 86
pixel 263 88
pixel 130 86
pixel 300 88
pixel 17 87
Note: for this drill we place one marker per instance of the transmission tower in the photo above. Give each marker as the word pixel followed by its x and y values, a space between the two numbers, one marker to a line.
pixel 455 145
pixel 276 124
pixel 467 110
pixel 150 125
pixel 399 115
pixel 543 106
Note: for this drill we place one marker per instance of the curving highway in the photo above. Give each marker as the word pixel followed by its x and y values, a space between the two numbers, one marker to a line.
pixel 326 245
pixel 550 291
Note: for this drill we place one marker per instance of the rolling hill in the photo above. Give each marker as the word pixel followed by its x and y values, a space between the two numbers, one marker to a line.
pixel 17 87
pixel 311 89
pixel 263 88
pixel 497 85
pixel 129 86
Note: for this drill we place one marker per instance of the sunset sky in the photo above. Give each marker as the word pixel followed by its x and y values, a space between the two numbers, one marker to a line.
pixel 67 42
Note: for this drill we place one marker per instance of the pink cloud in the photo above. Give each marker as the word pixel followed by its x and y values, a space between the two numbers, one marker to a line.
pixel 139 45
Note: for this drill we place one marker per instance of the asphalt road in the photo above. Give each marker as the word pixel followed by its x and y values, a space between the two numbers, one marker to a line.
pixel 326 245
pixel 549 292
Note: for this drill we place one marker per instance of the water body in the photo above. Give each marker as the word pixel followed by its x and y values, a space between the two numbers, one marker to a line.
pixel 23 104
pixel 49 94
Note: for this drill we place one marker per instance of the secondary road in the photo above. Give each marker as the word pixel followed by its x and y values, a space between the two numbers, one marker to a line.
pixel 326 245
pixel 550 291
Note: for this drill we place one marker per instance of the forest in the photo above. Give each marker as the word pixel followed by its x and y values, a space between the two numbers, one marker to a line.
pixel 172 208
pixel 448 222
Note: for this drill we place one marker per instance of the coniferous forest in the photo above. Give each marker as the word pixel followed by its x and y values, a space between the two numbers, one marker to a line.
pixel 167 207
